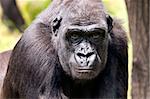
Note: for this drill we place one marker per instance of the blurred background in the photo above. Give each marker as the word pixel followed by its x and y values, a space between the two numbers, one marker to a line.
pixel 11 30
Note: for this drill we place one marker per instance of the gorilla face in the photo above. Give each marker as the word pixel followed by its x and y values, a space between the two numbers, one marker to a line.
pixel 82 43
pixel 82 50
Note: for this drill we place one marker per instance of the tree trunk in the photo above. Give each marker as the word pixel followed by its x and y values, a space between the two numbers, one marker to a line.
pixel 11 11
pixel 139 14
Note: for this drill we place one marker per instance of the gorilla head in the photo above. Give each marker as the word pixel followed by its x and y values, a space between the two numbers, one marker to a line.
pixel 82 39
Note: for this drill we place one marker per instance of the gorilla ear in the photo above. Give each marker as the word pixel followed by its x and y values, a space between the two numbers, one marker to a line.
pixel 56 24
pixel 109 22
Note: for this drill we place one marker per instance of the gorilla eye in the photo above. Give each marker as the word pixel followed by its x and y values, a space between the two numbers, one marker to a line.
pixel 74 36
pixel 95 36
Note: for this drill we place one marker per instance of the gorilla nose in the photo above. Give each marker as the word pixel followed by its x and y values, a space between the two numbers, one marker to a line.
pixel 85 55
pixel 85 59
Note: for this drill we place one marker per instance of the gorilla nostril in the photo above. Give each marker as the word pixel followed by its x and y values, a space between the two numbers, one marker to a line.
pixel 85 55
pixel 81 49
pixel 80 55
pixel 89 54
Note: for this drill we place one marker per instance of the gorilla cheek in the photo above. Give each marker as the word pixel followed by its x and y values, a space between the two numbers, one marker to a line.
pixel 63 58
pixel 72 65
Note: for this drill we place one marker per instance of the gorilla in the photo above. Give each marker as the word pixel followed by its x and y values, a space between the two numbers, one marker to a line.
pixel 72 50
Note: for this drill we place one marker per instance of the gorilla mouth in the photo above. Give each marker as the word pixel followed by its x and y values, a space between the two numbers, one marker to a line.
pixel 85 74
pixel 84 70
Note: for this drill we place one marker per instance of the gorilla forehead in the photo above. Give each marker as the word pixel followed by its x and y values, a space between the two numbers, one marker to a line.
pixel 83 12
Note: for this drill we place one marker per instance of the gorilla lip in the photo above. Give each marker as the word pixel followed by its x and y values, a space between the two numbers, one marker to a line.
pixel 84 70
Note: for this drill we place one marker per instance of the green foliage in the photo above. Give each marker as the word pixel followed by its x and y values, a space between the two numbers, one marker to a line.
pixel 31 8
pixel 7 41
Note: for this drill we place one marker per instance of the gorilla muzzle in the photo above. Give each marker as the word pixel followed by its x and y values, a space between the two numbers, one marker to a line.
pixel 85 55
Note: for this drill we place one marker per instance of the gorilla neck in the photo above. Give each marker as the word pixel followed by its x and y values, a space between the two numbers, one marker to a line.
pixel 73 88
pixel 78 88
